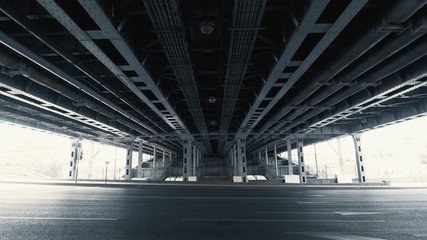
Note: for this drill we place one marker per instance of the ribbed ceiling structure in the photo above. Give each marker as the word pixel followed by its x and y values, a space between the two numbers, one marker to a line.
pixel 214 71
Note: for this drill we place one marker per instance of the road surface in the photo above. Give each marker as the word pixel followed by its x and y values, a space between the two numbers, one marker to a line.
pixel 43 211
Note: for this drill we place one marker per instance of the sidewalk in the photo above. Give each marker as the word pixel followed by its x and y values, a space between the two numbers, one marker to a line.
pixel 251 184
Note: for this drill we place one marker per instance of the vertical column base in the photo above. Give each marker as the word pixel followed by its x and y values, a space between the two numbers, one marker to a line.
pixel 129 151
pixel 237 179
pixel 186 160
pixel 301 160
pixel 359 157
pixel 290 164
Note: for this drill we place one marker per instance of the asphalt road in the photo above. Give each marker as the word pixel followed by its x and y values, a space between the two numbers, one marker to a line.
pixel 37 211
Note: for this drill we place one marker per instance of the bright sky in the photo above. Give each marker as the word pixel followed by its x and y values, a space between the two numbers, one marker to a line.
pixel 401 144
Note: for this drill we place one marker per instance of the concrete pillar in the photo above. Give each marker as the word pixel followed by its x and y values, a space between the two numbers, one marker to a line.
pixel 235 173
pixel 238 158
pixel 266 157
pixel 275 160
pixel 154 160
pixel 259 156
pixel 186 159
pixel 170 157
pixel 140 158
pixel 194 161
pixel 75 149
pixel 359 157
pixel 301 160
pixel 199 156
pixel 290 165
pixel 129 151
pixel 232 156
pixel 164 157
pixel 241 156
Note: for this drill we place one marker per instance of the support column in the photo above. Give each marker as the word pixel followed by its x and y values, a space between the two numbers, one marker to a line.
pixel 199 157
pixel 164 157
pixel 266 157
pixel 359 158
pixel 232 158
pixel 290 165
pixel 241 156
pixel 259 156
pixel 154 160
pixel 194 161
pixel 129 151
pixel 186 159
pixel 74 158
pixel 275 160
pixel 140 158
pixel 301 160
pixel 236 167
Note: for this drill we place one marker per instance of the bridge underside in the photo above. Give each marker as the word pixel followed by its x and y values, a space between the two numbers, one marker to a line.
pixel 212 74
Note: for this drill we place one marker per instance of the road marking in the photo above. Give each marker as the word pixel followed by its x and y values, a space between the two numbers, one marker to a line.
pixel 56 218
pixel 215 198
pixel 357 213
pixel 313 202
pixel 339 236
pixel 317 213
pixel 420 235
pixel 277 220
pixel 326 213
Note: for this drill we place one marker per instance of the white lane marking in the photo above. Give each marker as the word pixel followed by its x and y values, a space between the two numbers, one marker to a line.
pixel 278 220
pixel 420 235
pixel 43 197
pixel 357 213
pixel 326 213
pixel 214 198
pixel 317 213
pixel 57 218
pixel 313 202
pixel 339 236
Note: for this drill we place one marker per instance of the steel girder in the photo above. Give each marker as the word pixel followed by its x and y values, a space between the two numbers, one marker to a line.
pixel 367 41
pixel 169 26
pixel 396 85
pixel 343 74
pixel 48 41
pixel 256 113
pixel 48 101
pixel 247 16
pixel 89 109
pixel 395 63
pixel 346 78
pixel 409 111
pixel 110 32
